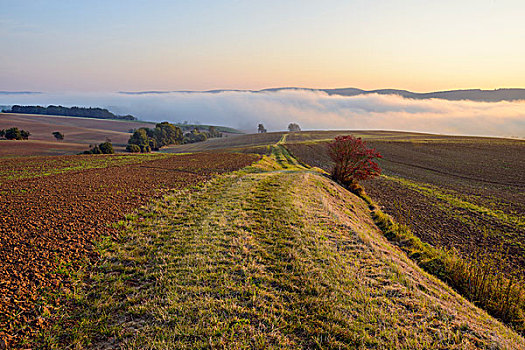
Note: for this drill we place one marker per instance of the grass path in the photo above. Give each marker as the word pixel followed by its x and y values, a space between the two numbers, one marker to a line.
pixel 276 256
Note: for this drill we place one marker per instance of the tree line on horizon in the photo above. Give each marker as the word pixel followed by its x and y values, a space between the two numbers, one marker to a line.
pixel 82 112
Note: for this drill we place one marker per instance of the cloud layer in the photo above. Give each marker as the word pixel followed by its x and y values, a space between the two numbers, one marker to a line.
pixel 311 110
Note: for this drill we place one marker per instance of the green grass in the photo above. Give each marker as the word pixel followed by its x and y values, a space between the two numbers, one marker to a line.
pixel 273 256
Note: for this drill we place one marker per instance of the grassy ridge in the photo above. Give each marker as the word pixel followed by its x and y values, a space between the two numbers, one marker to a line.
pixel 476 279
pixel 276 256
pixel 446 193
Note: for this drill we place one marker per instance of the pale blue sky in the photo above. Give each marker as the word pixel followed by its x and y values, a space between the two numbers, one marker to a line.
pixel 173 45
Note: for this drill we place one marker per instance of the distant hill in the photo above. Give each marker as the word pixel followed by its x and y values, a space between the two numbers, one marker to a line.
pixel 451 95
pixel 19 92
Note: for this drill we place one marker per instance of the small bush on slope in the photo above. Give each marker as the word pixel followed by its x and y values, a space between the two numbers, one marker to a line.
pixel 353 160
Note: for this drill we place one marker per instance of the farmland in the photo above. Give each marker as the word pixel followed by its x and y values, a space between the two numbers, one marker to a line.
pixel 162 251
pixel 464 193
pixel 79 134
pixel 54 209
pixel 273 256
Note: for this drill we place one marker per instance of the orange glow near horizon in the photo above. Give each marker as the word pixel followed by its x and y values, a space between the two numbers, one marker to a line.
pixel 206 45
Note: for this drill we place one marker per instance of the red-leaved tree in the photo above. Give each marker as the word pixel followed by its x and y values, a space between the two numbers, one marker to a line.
pixel 353 160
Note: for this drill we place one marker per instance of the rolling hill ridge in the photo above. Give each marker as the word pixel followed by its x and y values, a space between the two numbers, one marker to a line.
pixel 513 94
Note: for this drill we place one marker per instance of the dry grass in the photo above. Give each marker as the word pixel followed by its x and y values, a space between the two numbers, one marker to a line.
pixel 275 256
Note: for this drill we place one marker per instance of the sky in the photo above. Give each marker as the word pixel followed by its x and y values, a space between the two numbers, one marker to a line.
pixel 133 45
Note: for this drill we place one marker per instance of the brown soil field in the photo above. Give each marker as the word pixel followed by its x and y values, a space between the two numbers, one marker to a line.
pixel 79 133
pixel 17 148
pixel 49 223
pixel 466 193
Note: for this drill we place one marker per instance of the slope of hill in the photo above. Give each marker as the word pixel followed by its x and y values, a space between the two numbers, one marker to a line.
pixel 275 256
pixel 79 133
pixel 452 95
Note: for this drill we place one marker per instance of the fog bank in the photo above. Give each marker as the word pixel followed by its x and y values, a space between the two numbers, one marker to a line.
pixel 311 110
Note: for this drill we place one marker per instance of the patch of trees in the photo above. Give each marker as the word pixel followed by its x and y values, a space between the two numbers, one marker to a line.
pixel 99 113
pixel 354 161
pixel 198 136
pixel 187 127
pixel 58 135
pixel 146 140
pixel 15 134
pixel 213 132
pixel 261 129
pixel 293 127
pixel 103 148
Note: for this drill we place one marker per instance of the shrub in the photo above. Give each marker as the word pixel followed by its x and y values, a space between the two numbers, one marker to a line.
pixel 15 134
pixel 294 127
pixel 96 150
pixel 213 132
pixel 25 134
pixel 106 148
pixel 58 135
pixel 353 160
pixel 195 136
pixel 103 148
pixel 133 148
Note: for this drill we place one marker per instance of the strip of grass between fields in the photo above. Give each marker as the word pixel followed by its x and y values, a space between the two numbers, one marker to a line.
pixel 477 280
pixel 435 192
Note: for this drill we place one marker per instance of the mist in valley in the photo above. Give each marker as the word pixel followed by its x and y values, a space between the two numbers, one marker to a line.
pixel 310 109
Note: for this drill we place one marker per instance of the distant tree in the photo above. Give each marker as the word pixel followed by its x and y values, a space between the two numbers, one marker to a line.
pixel 94 150
pixel 2 133
pixel 58 135
pixel 133 148
pixel 103 148
pixel 353 160
pixel 213 132
pixel 162 135
pixel 293 127
pixel 139 137
pixel 106 148
pixel 25 134
pixel 166 134
pixel 261 129
pixel 195 136
pixel 16 134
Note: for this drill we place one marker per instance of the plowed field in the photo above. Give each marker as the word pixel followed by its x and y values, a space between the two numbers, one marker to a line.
pixel 466 193
pixel 49 221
